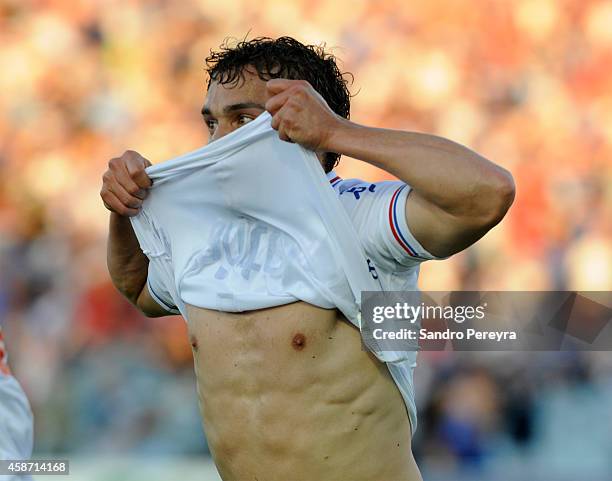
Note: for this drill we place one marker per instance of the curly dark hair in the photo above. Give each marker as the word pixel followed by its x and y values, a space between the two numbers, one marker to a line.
pixel 284 57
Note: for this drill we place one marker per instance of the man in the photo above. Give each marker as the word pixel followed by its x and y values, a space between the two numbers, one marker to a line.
pixel 287 393
pixel 16 425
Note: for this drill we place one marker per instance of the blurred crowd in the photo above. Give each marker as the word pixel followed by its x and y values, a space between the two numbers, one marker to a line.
pixel 526 83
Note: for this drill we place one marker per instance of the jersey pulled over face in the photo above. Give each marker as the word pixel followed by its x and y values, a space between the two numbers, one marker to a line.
pixel 230 106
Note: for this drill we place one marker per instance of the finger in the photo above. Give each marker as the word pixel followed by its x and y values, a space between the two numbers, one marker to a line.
pixel 280 124
pixel 284 137
pixel 142 194
pixel 124 178
pixel 275 103
pixel 123 195
pixel 276 119
pixel 136 170
pixel 277 85
pixel 112 203
pixel 282 132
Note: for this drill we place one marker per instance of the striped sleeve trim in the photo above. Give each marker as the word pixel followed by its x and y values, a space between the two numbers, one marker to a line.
pixel 168 307
pixel 394 223
pixel 335 181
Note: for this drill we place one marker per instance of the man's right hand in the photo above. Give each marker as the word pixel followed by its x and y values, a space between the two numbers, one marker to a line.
pixel 125 183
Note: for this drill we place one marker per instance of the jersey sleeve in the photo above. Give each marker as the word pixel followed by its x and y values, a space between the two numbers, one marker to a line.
pixel 156 284
pixel 378 211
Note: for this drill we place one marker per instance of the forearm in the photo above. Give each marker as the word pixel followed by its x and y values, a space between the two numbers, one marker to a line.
pixel 127 265
pixel 446 174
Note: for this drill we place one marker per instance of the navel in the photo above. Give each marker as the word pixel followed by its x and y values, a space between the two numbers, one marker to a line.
pixel 299 341
pixel 194 342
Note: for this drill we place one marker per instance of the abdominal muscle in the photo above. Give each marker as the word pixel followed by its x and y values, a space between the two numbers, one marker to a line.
pixel 288 394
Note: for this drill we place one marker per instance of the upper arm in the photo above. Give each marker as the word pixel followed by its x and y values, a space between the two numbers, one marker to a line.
pixel 441 233
pixel 155 299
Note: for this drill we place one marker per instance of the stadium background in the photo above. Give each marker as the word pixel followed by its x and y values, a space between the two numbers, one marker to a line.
pixel 527 83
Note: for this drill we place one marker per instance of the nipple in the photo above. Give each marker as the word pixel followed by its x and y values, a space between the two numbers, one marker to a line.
pixel 299 342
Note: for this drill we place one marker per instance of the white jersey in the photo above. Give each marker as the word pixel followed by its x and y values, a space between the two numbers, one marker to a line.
pixel 249 222
pixel 236 229
pixel 16 425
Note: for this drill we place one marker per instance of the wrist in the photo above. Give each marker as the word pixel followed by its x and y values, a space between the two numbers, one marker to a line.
pixel 339 135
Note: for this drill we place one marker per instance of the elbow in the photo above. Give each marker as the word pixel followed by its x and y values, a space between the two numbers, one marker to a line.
pixel 127 291
pixel 502 192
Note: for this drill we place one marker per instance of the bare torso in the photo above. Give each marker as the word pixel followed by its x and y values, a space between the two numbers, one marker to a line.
pixel 288 394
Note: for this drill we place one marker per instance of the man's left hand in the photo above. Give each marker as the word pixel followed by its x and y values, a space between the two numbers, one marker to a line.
pixel 300 114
